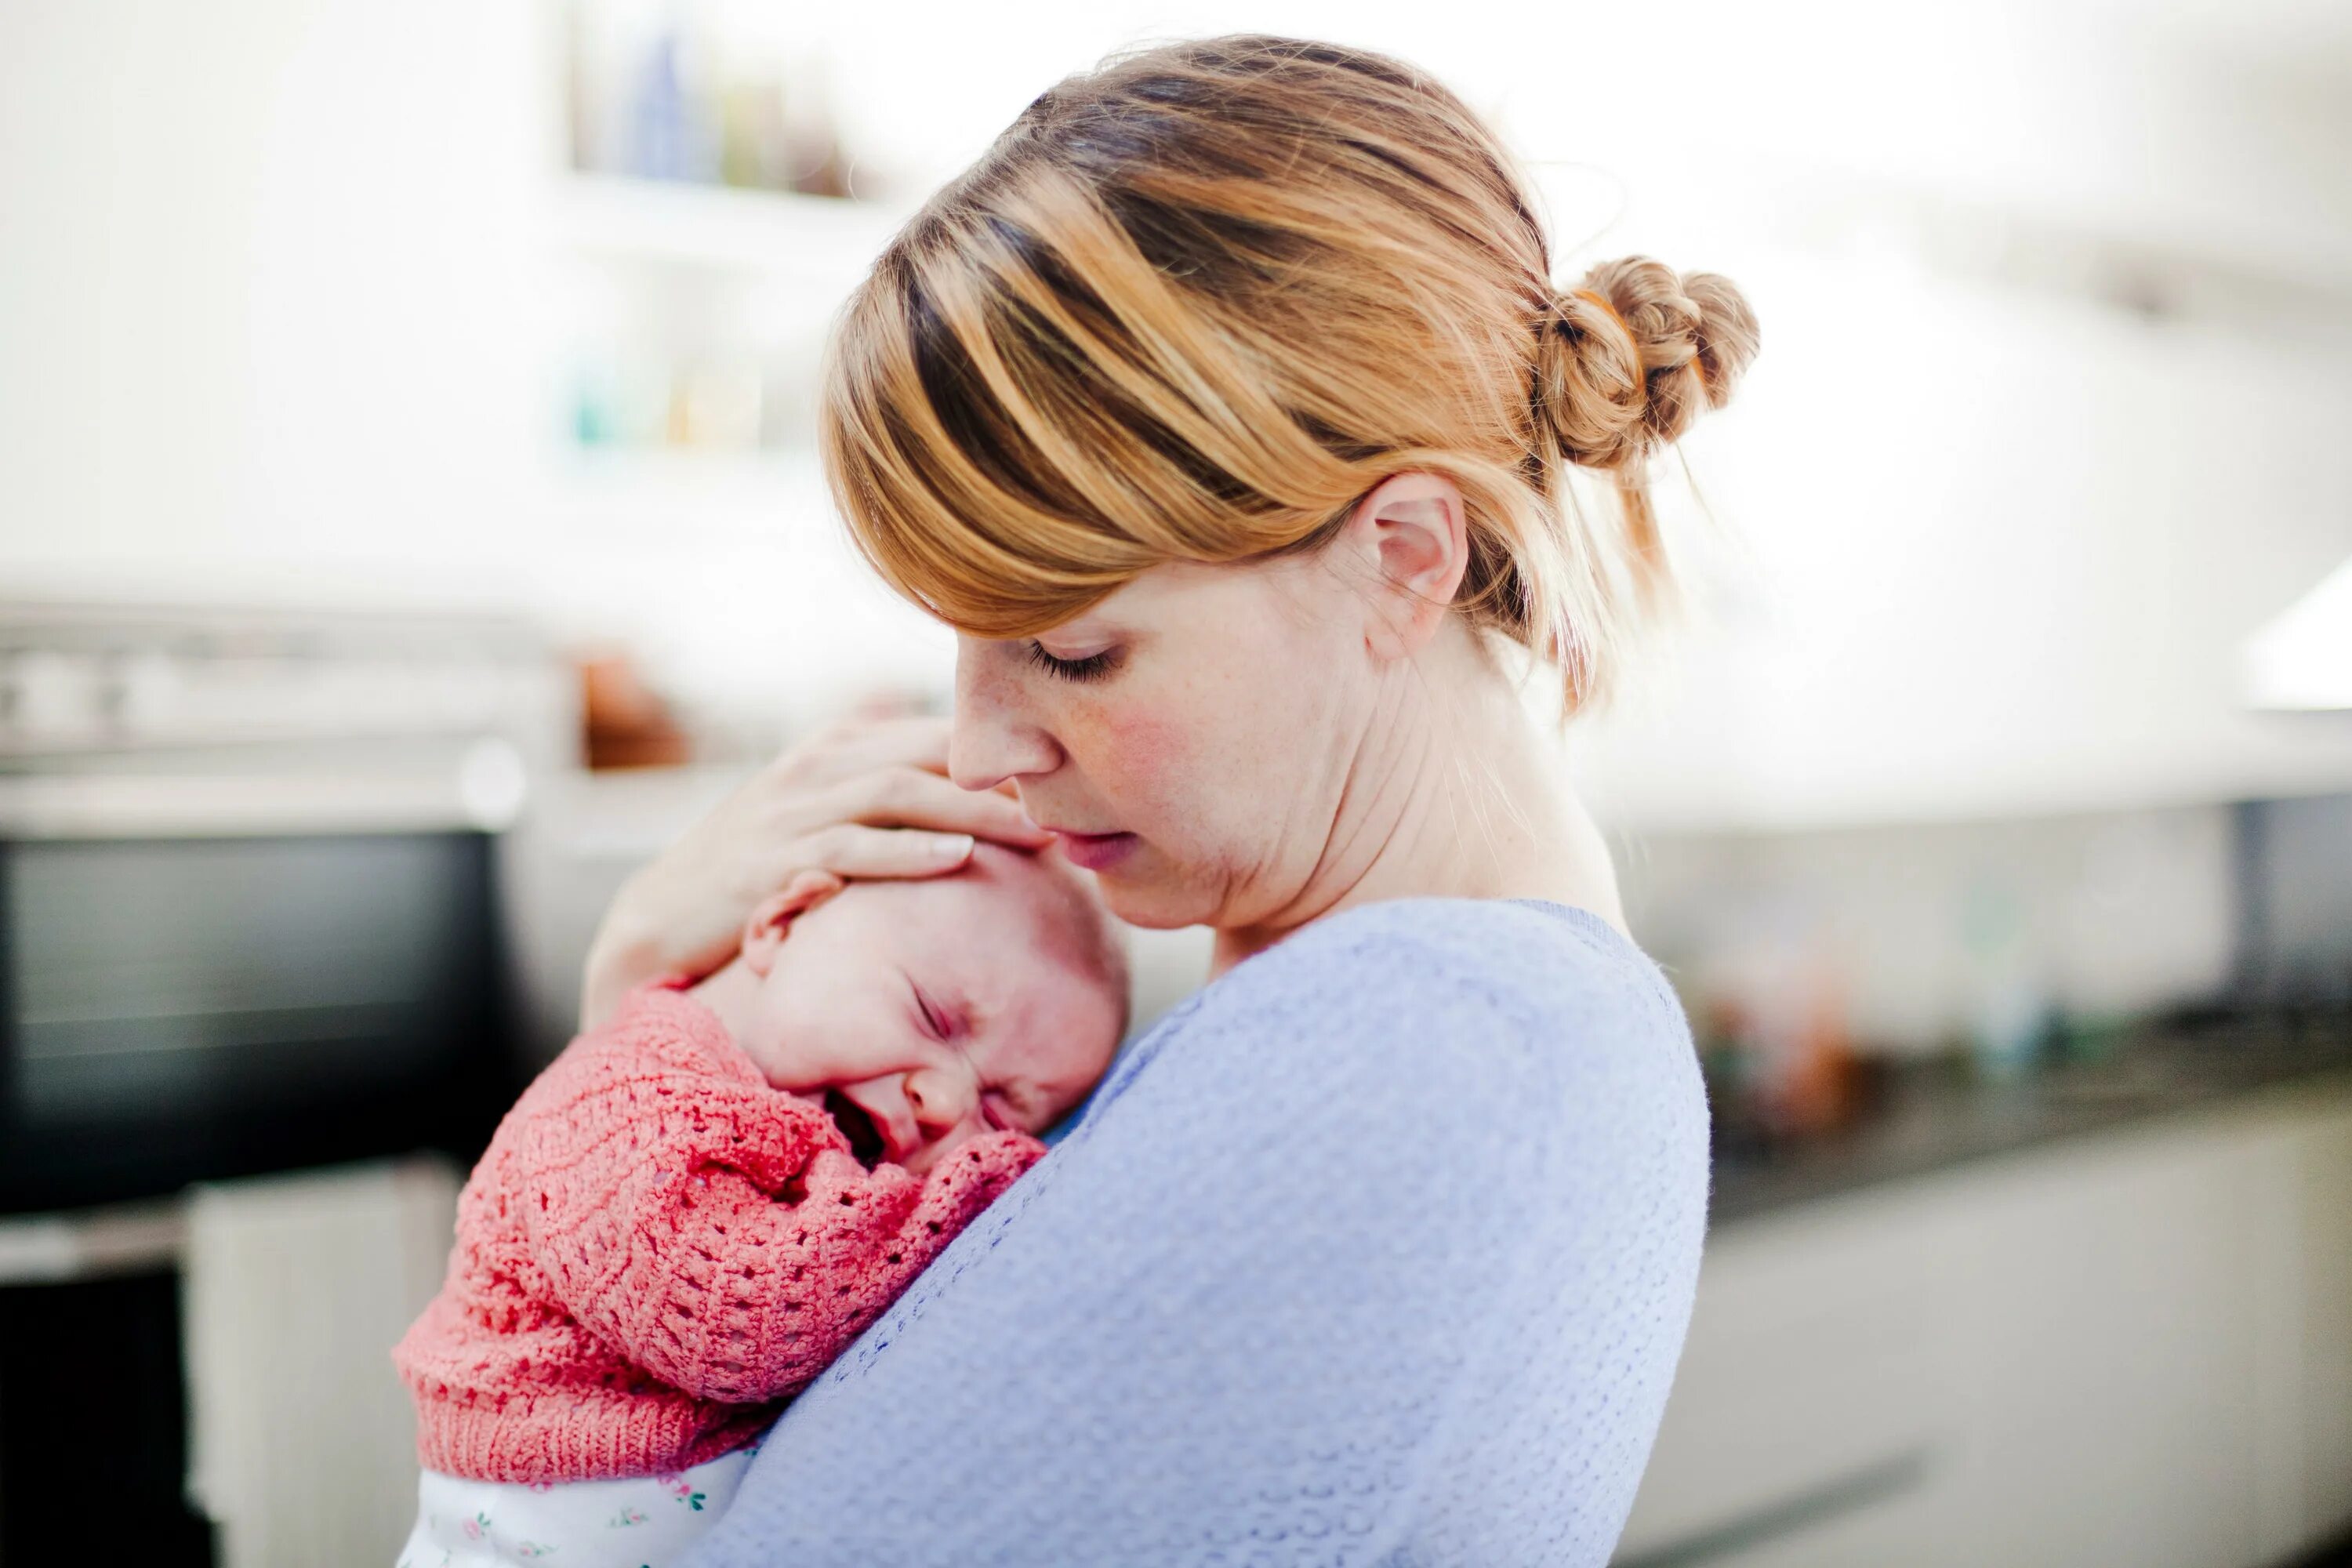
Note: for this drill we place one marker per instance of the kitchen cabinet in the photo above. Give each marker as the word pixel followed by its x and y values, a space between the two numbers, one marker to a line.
pixel 2313 1410
pixel 2129 1348
pixel 2111 1339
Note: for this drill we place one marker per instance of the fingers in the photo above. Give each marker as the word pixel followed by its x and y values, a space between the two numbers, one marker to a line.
pixel 909 797
pixel 854 851
pixel 867 797
pixel 892 772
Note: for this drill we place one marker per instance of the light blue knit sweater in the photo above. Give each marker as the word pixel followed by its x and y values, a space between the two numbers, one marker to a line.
pixel 1379 1249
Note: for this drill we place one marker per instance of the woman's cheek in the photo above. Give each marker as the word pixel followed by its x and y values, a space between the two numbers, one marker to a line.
pixel 1136 755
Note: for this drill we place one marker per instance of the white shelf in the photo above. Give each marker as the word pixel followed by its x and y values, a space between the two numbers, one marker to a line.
pixel 719 228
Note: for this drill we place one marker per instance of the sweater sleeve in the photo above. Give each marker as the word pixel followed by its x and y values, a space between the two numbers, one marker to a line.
pixel 718 1234
pixel 1379 1250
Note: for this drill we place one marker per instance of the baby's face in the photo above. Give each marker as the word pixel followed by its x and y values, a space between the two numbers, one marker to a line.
pixel 940 1009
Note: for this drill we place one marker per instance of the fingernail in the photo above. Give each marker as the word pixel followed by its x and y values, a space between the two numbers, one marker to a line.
pixel 951 846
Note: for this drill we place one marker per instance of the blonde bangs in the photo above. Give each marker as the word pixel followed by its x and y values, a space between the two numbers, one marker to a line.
pixel 1007 447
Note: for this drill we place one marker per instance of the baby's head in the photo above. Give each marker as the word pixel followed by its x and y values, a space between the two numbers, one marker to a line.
pixel 922 1013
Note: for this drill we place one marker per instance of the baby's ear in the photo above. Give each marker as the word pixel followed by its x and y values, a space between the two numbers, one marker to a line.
pixel 772 917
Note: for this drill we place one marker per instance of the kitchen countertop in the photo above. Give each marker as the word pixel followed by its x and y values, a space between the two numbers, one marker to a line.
pixel 1927 1117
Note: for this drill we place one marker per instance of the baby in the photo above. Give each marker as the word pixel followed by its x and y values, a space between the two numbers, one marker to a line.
pixel 703 1201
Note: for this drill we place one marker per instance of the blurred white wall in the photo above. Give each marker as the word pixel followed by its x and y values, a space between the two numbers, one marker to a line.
pixel 260 276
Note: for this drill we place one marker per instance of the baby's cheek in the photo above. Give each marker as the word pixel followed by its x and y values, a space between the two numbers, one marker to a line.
pixel 816 1044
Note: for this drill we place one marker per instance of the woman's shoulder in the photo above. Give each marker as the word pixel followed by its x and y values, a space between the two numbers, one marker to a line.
pixel 1415 965
pixel 1468 1007
pixel 1522 949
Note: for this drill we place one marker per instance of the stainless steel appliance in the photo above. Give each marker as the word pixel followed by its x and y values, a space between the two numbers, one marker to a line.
pixel 247 888
pixel 248 922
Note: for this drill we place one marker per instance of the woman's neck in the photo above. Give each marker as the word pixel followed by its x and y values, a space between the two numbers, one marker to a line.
pixel 1455 792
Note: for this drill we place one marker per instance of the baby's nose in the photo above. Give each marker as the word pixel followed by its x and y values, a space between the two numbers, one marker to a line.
pixel 940 1099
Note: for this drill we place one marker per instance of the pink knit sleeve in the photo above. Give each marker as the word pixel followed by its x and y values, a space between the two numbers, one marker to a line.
pixel 720 1236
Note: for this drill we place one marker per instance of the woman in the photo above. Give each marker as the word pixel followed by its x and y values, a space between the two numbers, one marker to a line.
pixel 1224 408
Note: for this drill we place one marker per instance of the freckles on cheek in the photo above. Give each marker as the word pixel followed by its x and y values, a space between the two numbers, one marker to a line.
pixel 1144 744
pixel 1134 755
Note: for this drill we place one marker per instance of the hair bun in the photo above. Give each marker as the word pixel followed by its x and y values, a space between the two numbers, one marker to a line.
pixel 1634 352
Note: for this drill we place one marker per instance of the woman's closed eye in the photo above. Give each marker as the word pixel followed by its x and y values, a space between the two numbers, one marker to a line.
pixel 1094 666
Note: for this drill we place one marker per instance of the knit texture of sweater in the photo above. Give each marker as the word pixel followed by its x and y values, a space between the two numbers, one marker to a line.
pixel 1380 1250
pixel 657 1249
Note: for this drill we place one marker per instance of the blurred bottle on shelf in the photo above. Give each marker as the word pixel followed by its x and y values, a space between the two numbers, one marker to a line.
pixel 595 406
pixel 736 403
pixel 706 340
pixel 716 407
pixel 583 98
pixel 817 164
pixel 2009 1012
pixel 667 96
pixel 668 139
pixel 754 152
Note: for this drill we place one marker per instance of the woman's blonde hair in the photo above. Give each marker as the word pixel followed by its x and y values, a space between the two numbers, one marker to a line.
pixel 1196 302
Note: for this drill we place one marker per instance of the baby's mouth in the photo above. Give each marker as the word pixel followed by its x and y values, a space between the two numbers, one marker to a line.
pixel 865 1138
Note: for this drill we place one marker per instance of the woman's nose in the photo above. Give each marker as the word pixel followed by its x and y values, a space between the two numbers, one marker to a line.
pixel 991 740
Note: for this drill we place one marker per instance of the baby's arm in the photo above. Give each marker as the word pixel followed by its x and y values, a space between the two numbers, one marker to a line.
pixel 721 1236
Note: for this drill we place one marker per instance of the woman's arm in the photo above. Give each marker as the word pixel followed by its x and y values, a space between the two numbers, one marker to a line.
pixel 1384 1245
pixel 869 797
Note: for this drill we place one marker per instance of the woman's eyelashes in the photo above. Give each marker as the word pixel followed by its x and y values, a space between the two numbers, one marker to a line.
pixel 1094 666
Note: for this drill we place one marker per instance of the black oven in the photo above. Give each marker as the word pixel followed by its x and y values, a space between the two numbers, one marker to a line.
pixel 185 1008
pixel 175 1009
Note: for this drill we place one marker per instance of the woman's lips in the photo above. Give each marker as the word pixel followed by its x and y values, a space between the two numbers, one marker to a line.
pixel 1096 851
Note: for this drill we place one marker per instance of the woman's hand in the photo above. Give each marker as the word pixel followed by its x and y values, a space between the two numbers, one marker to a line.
pixel 865 798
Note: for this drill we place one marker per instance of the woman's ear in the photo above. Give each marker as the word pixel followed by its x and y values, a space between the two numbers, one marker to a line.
pixel 1412 537
pixel 771 919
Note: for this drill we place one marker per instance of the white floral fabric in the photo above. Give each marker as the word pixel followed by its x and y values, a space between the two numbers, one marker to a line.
pixel 637 1521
